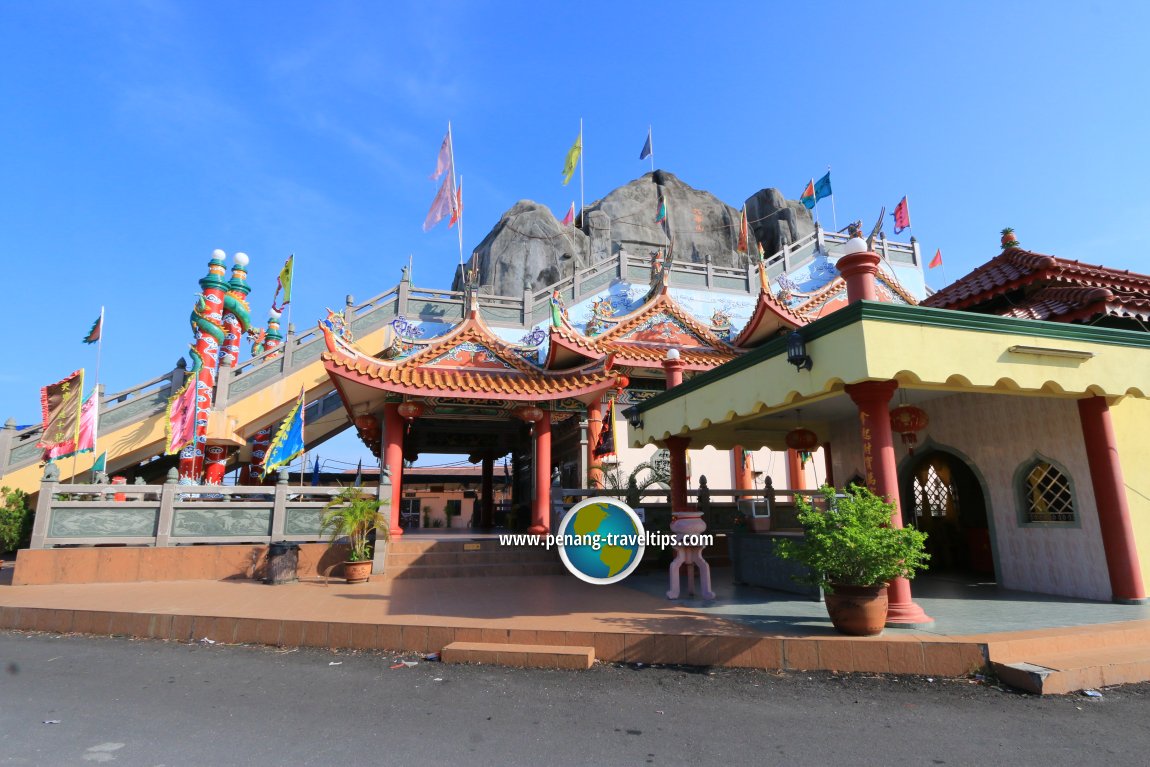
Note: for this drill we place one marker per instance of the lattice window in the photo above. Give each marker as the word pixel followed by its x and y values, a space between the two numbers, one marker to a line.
pixel 934 495
pixel 1047 494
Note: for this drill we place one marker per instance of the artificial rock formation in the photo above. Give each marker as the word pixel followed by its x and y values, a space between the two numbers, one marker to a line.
pixel 530 249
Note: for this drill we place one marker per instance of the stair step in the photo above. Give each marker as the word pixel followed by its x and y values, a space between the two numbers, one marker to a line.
pixel 520 655
pixel 405 559
pixel 501 570
pixel 1057 673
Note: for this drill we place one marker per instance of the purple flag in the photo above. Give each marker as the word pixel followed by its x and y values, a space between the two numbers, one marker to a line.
pixel 440 207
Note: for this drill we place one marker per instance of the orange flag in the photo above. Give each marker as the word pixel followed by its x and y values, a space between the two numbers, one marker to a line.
pixel 937 260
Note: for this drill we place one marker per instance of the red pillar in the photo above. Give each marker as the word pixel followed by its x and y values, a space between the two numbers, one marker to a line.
pixel 541 504
pixel 673 368
pixel 594 429
pixel 796 477
pixel 873 401
pixel 393 428
pixel 858 271
pixel 677 447
pixel 1109 485
pixel 744 477
pixel 487 515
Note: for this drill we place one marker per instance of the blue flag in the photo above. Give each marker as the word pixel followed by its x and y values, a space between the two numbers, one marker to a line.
pixel 646 147
pixel 315 472
pixel 823 187
pixel 288 441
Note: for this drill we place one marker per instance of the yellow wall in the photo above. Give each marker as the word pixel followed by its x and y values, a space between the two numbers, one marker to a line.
pixel 1131 418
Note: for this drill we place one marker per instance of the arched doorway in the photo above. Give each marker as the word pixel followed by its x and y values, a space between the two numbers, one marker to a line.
pixel 943 496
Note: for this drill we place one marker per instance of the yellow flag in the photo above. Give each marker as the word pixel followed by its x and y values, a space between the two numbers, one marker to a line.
pixel 285 279
pixel 572 159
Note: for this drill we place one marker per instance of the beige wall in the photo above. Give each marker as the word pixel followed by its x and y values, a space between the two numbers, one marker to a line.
pixel 1131 418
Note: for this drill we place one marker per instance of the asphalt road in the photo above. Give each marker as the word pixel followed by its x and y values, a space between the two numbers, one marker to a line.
pixel 77 700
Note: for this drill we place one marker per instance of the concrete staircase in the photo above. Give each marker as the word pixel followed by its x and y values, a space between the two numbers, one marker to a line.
pixel 1072 659
pixel 418 557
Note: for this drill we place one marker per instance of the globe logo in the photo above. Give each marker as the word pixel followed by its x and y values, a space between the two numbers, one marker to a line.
pixel 601 540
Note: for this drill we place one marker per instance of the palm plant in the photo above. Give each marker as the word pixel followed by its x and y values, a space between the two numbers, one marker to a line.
pixel 354 514
pixel 631 487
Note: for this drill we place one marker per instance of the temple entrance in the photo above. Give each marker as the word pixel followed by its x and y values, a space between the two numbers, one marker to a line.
pixel 942 496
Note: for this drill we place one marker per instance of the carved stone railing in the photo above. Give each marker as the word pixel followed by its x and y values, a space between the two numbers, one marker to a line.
pixel 172 514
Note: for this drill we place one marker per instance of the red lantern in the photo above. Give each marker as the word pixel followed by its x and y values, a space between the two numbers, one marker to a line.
pixel 908 420
pixel 410 410
pixel 621 382
pixel 802 440
pixel 367 423
pixel 532 414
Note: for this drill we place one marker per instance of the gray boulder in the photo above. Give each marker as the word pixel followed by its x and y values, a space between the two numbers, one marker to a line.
pixel 701 224
pixel 777 221
pixel 528 248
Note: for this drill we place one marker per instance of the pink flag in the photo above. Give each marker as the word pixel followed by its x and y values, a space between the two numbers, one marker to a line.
pixel 937 260
pixel 181 418
pixel 569 219
pixel 901 216
pixel 441 206
pixel 457 208
pixel 443 162
pixel 87 441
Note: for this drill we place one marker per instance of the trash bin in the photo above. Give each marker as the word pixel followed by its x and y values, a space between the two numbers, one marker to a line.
pixel 283 560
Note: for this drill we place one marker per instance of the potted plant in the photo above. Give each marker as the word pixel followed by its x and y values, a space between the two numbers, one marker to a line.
pixel 354 514
pixel 851 552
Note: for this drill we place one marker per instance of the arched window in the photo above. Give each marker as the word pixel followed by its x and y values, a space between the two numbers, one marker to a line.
pixel 934 496
pixel 1046 493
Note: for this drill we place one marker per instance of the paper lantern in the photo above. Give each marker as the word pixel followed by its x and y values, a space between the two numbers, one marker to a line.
pixel 410 410
pixel 532 414
pixel 908 420
pixel 803 440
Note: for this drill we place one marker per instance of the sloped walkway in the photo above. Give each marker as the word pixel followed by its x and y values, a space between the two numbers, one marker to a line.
pixel 626 622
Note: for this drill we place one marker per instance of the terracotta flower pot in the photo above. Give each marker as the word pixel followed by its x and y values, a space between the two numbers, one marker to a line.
pixel 858 610
pixel 360 572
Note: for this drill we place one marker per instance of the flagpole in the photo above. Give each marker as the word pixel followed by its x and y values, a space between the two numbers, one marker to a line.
pixel 581 148
pixel 834 215
pixel 290 286
pixel 651 139
pixel 303 433
pixel 451 152
pixel 96 394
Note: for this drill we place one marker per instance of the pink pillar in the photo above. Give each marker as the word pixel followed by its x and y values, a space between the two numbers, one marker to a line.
pixel 1126 582
pixel 541 504
pixel 858 271
pixel 594 429
pixel 873 401
pixel 393 428
pixel 828 465
pixel 677 447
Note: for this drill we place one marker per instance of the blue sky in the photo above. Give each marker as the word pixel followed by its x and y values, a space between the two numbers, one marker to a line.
pixel 138 136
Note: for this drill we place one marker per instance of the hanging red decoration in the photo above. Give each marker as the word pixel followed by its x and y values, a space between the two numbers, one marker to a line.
pixel 803 440
pixel 367 423
pixel 621 383
pixel 410 410
pixel 908 420
pixel 532 414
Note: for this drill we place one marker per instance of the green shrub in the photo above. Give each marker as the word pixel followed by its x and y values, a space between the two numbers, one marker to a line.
pixel 852 543
pixel 15 520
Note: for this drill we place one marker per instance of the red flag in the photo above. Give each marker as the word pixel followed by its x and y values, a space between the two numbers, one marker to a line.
pixel 61 404
pixel 743 231
pixel 457 209
pixel 569 219
pixel 937 260
pixel 901 216
pixel 441 206
pixel 443 161
pixel 180 429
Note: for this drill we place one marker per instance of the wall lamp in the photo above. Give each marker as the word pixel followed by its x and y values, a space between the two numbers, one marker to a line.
pixel 797 352
pixel 634 417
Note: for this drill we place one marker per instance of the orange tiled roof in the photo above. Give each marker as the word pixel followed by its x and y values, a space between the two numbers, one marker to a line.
pixel 622 342
pixel 1054 288
pixel 469 362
